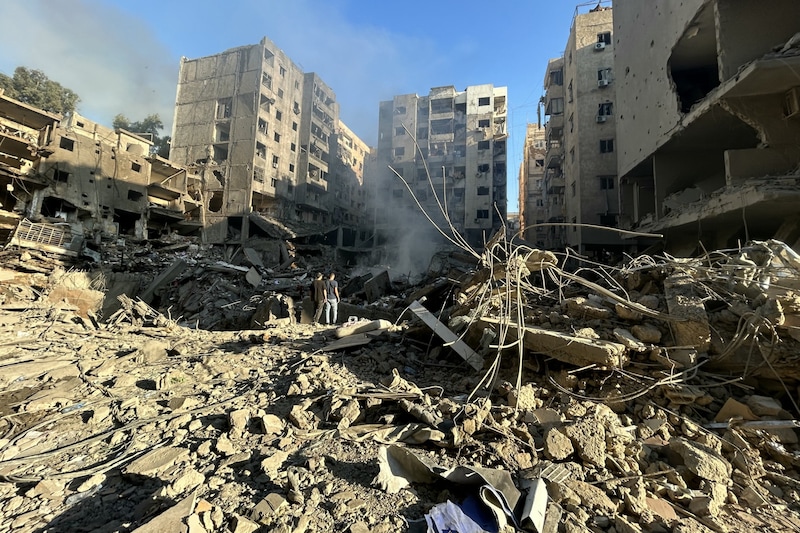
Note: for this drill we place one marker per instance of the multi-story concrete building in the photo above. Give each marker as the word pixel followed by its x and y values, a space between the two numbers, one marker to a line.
pixel 261 130
pixel 708 107
pixel 580 102
pixel 553 184
pixel 532 210
pixel 458 140
pixel 349 197
pixel 97 179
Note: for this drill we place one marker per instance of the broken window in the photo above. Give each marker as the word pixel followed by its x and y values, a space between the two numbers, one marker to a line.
pixel 275 161
pixel 61 175
pixel 606 146
pixel 603 77
pixel 421 174
pixel 484 100
pixel 224 107
pixel 557 77
pixel 261 150
pixel 263 126
pixel 441 126
pixel 400 110
pixel 571 122
pixel 483 123
pixel 399 151
pixel 483 145
pixel 67 144
pixel 604 37
pixel 136 167
pixel 266 81
pixel 399 131
pixel 215 202
pixel 482 213
pixel 442 105
pixel 483 191
pixel 258 175
pixel 539 202
pixel 606 183
pixel 134 196
pixel 605 109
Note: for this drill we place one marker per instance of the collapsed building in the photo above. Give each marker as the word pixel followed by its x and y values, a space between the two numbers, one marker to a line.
pixel 708 103
pixel 90 178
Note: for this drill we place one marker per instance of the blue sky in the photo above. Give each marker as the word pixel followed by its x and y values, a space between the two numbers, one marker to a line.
pixel 122 56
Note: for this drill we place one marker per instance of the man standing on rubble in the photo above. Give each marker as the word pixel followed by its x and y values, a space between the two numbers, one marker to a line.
pixel 318 293
pixel 332 299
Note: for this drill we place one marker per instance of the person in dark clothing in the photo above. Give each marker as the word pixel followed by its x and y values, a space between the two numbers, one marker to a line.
pixel 331 299
pixel 318 294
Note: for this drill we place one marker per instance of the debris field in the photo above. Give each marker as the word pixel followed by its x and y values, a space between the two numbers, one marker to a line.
pixel 175 386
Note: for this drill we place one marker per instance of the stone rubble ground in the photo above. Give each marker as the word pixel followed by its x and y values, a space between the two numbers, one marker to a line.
pixel 658 409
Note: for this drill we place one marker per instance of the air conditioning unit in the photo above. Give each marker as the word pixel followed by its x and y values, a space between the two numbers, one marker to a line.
pixel 599 46
pixel 601 118
pixel 791 103
pixel 603 83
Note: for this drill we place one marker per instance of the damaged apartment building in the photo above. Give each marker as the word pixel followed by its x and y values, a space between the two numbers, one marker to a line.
pixel 458 139
pixel 708 120
pixel 261 133
pixel 92 179
pixel 580 192
pixel 532 211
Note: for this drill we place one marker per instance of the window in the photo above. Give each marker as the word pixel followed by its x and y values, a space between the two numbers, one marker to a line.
pixel 608 220
pixel 136 167
pixel 60 175
pixel 134 196
pixel 606 146
pixel 557 77
pixel 571 122
pixel 224 106
pixel 483 123
pixel 606 183
pixel 277 137
pixel 603 77
pixel 569 91
pixel 572 155
pixel 555 106
pixel 278 114
pixel 263 126
pixel 399 131
pixel 275 161
pixel 296 84
pixel 483 191
pixel 604 37
pixel 280 93
pixel 605 109
pixel 266 81
pixel 483 145
pixel 283 71
pixel 291 167
pixel 574 224
pixel 293 147
pixel 274 183
pixel 573 189
pixel 400 110
pixel 399 151
pixel 483 168
pixel 294 126
pixel 482 213
pixel 539 202
pixel 261 151
pixel 67 144
pixel 485 100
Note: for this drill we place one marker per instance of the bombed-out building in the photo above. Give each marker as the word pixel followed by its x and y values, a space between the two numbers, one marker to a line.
pixel 93 178
pixel 442 156
pixel 708 119
pixel 532 211
pixel 261 133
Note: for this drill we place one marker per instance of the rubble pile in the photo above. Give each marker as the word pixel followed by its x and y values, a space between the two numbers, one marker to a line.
pixel 658 396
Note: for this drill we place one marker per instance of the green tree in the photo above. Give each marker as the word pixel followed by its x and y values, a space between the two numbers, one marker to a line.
pixel 33 87
pixel 149 127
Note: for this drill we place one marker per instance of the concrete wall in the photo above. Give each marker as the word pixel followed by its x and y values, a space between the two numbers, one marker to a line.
pixel 647 107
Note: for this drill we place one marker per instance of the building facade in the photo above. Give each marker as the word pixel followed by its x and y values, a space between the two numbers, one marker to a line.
pixel 581 160
pixel 708 107
pixel 532 211
pixel 442 161
pixel 261 131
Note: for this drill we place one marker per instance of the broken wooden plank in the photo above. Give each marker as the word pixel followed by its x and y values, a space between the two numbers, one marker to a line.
pixel 451 339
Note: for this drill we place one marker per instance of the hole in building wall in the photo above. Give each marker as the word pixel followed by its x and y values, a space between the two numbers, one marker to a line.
pixel 693 62
pixel 215 202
